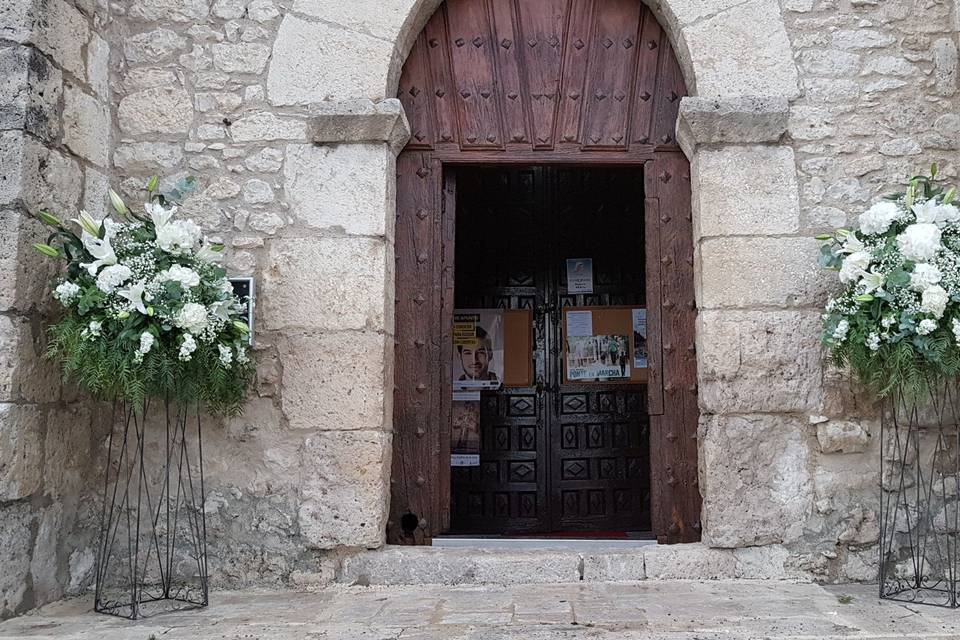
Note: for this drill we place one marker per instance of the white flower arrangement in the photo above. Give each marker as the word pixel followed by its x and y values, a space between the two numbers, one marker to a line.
pixel 897 320
pixel 149 312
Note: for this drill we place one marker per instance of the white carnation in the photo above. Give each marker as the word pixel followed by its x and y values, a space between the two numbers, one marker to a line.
pixel 926 326
pixel 840 333
pixel 66 292
pixel 112 277
pixel 924 275
pixel 873 341
pixel 920 242
pixel 92 331
pixel 878 218
pixel 186 276
pixel 187 347
pixel 179 236
pixel 242 357
pixel 934 300
pixel 854 266
pixel 192 317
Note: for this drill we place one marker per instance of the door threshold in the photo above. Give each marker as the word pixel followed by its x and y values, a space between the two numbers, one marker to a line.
pixel 580 544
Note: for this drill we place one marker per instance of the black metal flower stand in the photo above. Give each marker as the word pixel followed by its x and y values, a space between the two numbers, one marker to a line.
pixel 152 555
pixel 920 497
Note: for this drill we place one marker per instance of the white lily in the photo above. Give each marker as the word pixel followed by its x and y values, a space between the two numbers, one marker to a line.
pixel 221 309
pixel 158 214
pixel 100 249
pixel 134 293
pixel 870 281
pixel 852 244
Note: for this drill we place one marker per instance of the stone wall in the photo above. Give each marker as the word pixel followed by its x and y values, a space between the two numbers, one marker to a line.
pixel 54 154
pixel 789 451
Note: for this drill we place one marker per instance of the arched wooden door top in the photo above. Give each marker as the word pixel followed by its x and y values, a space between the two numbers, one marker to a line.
pixel 553 75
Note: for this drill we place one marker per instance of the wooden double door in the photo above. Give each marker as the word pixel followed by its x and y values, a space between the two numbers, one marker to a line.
pixel 556 456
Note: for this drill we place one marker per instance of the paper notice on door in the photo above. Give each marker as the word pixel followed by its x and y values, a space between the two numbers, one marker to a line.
pixel 580 275
pixel 640 338
pixel 579 323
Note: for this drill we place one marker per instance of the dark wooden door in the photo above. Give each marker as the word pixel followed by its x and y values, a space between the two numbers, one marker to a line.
pixel 555 456
pixel 539 82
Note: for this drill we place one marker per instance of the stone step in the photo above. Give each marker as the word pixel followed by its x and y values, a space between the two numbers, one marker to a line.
pixel 403 565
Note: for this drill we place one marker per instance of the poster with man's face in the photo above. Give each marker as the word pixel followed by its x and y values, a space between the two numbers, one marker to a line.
pixel 477 349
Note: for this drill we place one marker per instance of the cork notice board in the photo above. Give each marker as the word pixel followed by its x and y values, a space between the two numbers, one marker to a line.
pixel 517 348
pixel 607 321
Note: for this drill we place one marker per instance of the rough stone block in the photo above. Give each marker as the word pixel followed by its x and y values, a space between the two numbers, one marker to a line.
pixel 689 562
pixel 846 436
pixel 730 120
pixel 143 157
pixel 755 479
pixel 244 57
pixel 151 47
pixel 45 559
pixel 21 450
pixel 361 121
pixel 156 110
pixel 378 18
pixel 50 180
pixel 945 67
pixel 61 31
pixel 326 283
pixel 335 381
pixel 98 66
pixel 614 567
pixel 86 126
pixel 15 520
pixel 768 272
pixel 265 126
pixel 758 361
pixel 746 191
pixel 347 187
pixel 743 50
pixel 344 488
pixel 30 90
pixel 174 10
pixel 314 62
pixel 68 458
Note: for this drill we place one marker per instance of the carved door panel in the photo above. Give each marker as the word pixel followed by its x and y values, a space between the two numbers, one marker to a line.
pixel 600 430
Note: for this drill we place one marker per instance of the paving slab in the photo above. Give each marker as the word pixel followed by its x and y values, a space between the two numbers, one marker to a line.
pixel 647 610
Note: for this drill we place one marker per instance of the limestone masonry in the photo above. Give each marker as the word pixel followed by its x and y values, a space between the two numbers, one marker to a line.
pixel 801 112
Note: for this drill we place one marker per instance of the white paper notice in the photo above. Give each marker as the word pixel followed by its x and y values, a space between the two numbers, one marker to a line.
pixel 580 275
pixel 579 323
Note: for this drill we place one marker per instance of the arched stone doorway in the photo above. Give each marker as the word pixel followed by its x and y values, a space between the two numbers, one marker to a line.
pixel 539 84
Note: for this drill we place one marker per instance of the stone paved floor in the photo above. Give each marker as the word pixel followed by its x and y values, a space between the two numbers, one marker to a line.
pixel 654 610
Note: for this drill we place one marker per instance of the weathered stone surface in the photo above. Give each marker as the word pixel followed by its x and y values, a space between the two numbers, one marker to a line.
pixel 21 453
pixel 432 565
pixel 246 57
pixel 30 90
pixel 746 191
pixel 257 192
pixel 767 272
pixel 67 451
pixel 344 480
pixel 326 283
pixel 174 10
pixel 614 567
pixel 154 46
pixel 861 39
pixel 759 361
pixel 344 187
pixel 98 65
pixel 148 156
pixel 811 123
pixel 830 62
pixel 361 121
pixel 61 31
pixel 373 17
pixel 736 120
pixel 266 160
pixel 96 188
pixel 313 62
pixel 86 126
pixel 844 436
pixel 686 561
pixel 755 479
pixel 742 51
pixel 335 381
pixel 945 66
pixel 15 519
pixel 45 561
pixel 156 110
pixel 266 126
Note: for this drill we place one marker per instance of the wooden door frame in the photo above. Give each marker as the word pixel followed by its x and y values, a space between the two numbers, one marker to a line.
pixel 440 174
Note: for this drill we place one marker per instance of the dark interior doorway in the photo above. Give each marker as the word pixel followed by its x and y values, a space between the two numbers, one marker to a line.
pixel 556 456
